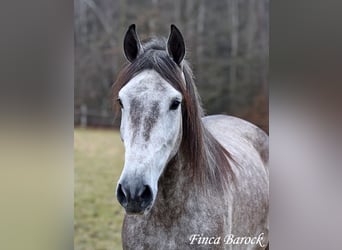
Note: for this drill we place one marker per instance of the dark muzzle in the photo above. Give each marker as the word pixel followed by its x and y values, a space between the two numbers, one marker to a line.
pixel 135 198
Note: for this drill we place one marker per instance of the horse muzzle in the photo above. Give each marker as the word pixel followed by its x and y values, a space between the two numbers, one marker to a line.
pixel 134 197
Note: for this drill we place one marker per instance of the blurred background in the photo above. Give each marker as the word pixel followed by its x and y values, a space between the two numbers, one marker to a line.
pixel 227 46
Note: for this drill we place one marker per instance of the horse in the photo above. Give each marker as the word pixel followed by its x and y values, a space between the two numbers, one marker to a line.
pixel 189 181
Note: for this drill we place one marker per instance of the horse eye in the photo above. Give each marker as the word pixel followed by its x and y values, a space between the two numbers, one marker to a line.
pixel 120 103
pixel 174 104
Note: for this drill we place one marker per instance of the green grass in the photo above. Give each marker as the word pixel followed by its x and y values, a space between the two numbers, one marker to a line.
pixel 99 157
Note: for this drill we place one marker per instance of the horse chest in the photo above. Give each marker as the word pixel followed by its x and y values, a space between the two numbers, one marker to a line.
pixel 169 231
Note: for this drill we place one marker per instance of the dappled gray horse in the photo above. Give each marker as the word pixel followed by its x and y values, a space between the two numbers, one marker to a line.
pixel 189 181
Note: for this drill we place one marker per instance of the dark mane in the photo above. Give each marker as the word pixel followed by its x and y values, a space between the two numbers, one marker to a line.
pixel 206 157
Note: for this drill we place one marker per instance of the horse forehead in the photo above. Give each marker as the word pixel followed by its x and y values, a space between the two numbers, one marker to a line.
pixel 147 85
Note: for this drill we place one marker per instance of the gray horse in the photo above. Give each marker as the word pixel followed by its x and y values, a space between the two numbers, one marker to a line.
pixel 189 181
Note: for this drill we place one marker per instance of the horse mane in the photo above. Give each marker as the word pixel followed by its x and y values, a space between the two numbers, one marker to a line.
pixel 206 157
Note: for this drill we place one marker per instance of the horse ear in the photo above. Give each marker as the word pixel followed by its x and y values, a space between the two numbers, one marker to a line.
pixel 175 45
pixel 132 45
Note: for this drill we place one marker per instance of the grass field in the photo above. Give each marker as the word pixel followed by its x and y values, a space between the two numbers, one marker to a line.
pixel 99 157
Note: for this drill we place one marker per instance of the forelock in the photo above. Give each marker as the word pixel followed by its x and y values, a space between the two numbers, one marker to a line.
pixel 155 44
pixel 154 57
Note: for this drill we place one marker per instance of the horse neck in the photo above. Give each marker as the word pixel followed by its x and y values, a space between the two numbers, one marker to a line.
pixel 177 181
pixel 174 185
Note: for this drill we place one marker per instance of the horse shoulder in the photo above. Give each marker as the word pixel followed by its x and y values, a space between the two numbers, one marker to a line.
pixel 248 146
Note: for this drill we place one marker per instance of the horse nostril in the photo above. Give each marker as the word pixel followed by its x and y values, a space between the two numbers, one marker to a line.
pixel 121 196
pixel 135 198
pixel 146 196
